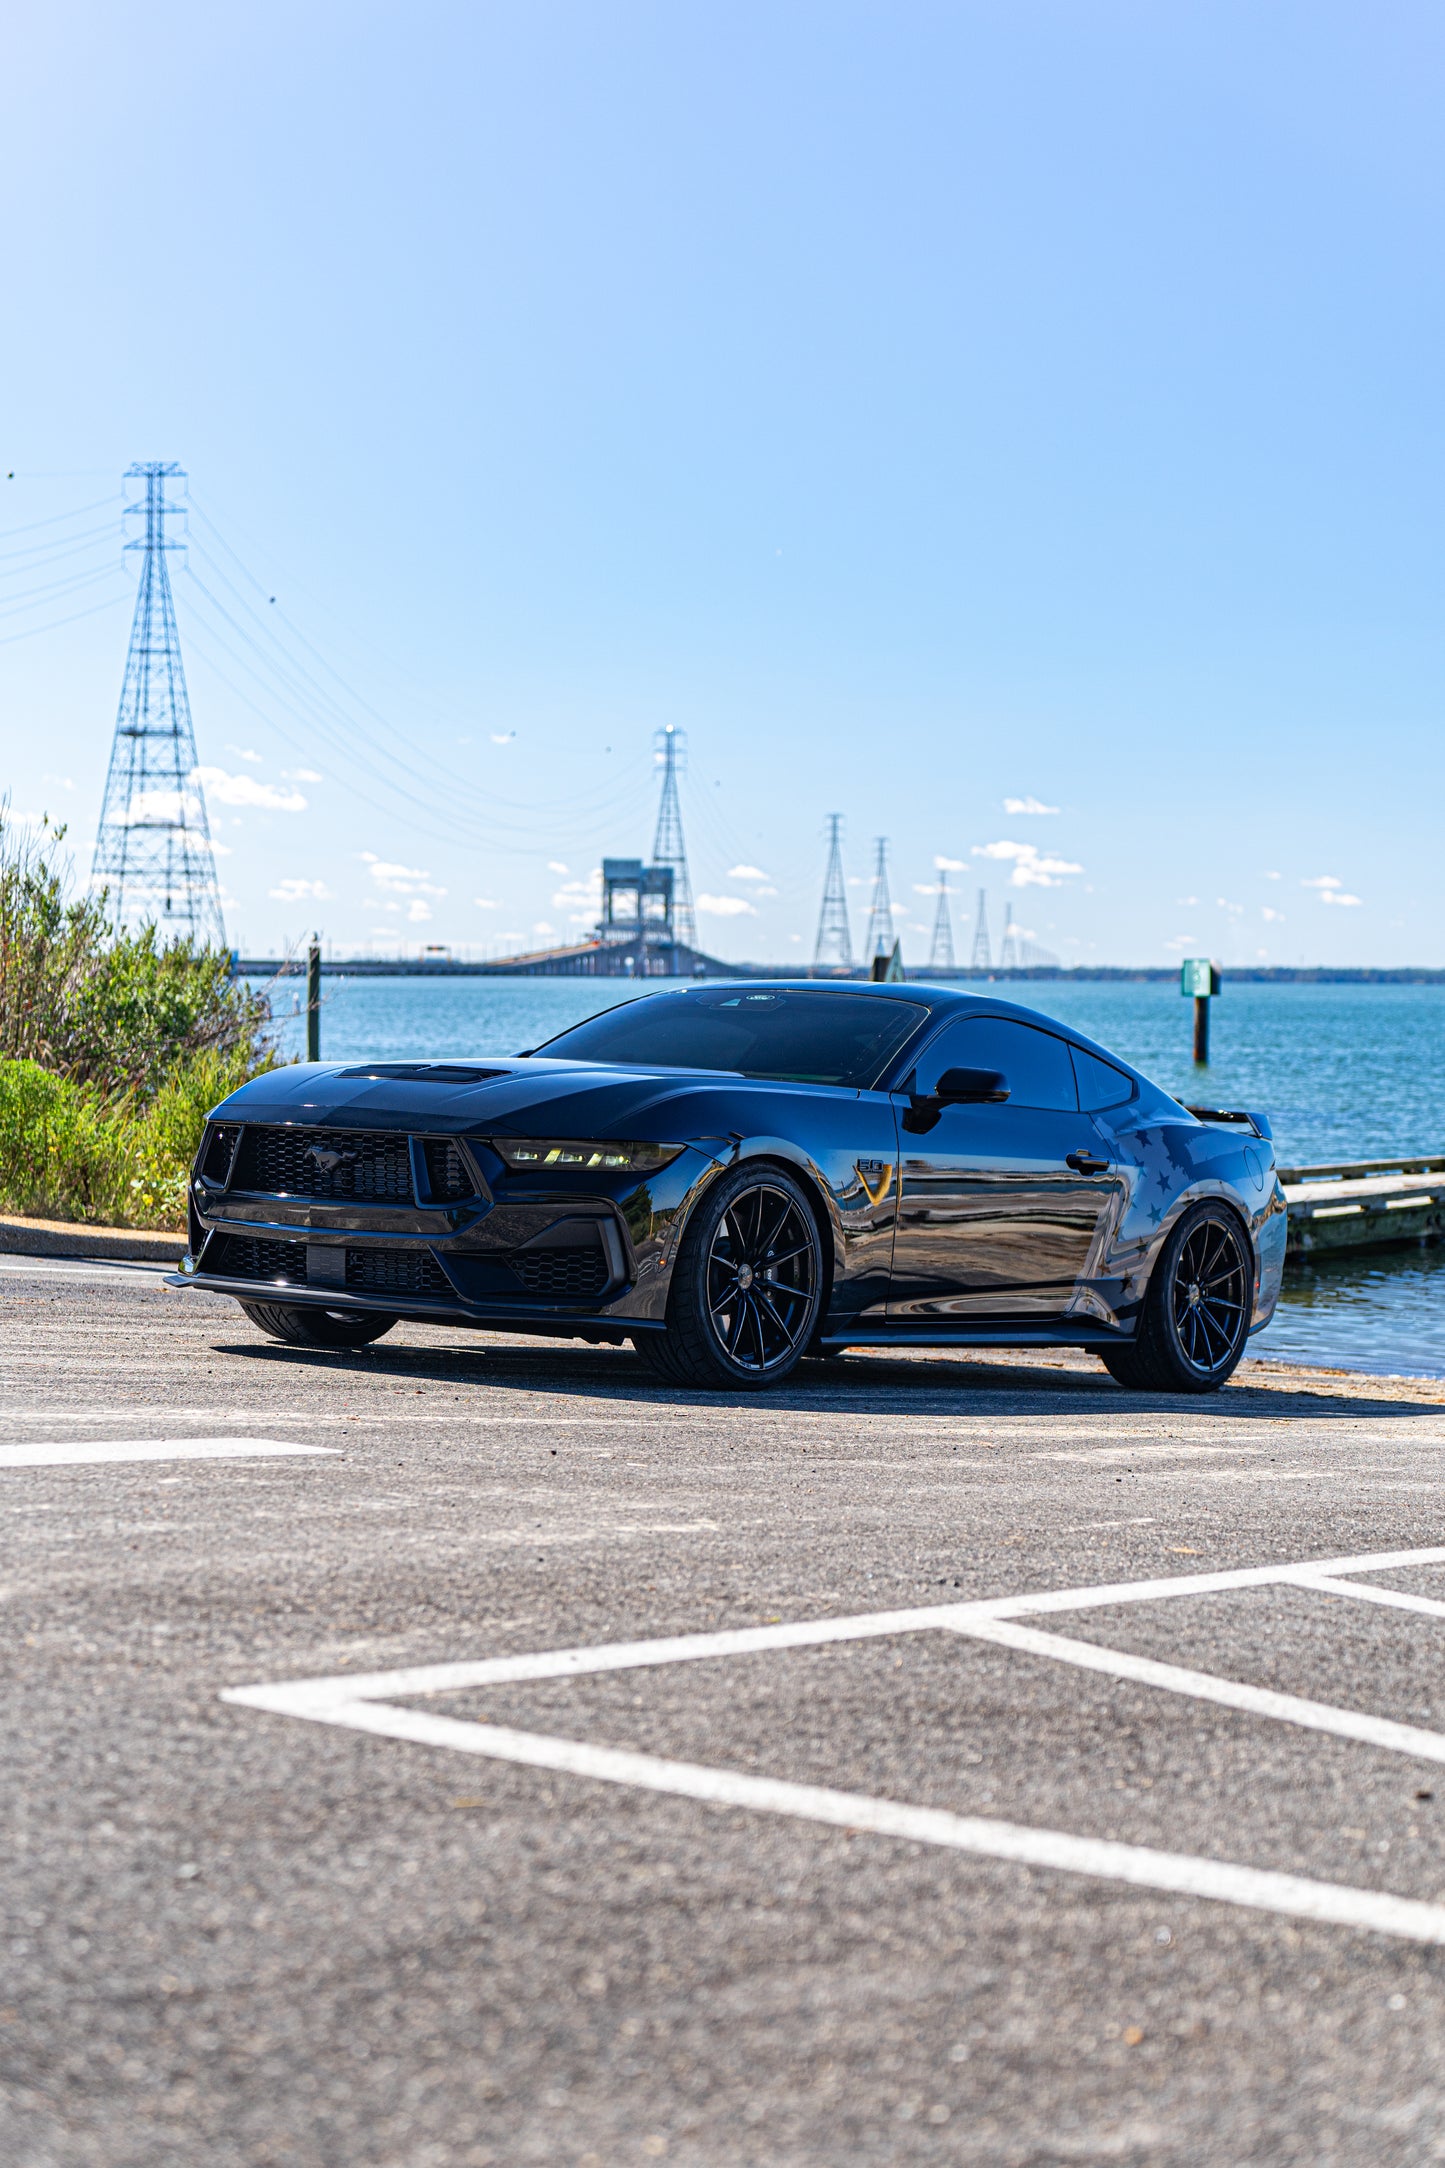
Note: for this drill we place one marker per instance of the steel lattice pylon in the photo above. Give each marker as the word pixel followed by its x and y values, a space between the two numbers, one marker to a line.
pixel 153 847
pixel 940 956
pixel 880 915
pixel 834 944
pixel 668 848
pixel 981 958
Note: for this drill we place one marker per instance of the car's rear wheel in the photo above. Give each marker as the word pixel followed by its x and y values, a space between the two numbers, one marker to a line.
pixel 1196 1311
pixel 301 1326
pixel 746 1287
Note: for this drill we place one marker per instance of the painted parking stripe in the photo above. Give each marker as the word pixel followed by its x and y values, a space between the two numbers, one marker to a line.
pixel 1380 1731
pixel 1140 1866
pixel 361 1704
pixel 78 1452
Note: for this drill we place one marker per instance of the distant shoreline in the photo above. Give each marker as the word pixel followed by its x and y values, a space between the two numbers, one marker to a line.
pixel 439 967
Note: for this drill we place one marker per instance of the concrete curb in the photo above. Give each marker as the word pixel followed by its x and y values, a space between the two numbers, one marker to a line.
pixel 66 1238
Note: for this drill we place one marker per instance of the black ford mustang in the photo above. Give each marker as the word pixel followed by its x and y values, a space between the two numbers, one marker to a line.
pixel 742 1174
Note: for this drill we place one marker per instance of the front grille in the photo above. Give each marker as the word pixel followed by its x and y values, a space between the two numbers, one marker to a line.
pixel 248 1257
pixel 447 1172
pixel 373 1166
pixel 397 1272
pixel 561 1272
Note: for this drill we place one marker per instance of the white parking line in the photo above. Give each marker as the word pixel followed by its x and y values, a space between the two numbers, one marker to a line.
pixel 1205 1686
pixel 87 1451
pixel 368 1704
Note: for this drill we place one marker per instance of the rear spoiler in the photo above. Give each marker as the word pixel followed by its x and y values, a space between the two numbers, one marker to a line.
pixel 1259 1123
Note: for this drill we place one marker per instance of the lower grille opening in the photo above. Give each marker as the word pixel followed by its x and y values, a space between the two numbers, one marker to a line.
pixel 250 1257
pixel 561 1272
pixel 397 1272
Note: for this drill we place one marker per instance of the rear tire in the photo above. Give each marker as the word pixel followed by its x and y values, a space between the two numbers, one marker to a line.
pixel 1196 1312
pixel 299 1326
pixel 747 1287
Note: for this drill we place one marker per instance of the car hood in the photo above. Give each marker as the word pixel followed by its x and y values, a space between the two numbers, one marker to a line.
pixel 537 1096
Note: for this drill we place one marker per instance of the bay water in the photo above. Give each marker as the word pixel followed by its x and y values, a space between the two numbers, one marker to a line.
pixel 1343 1072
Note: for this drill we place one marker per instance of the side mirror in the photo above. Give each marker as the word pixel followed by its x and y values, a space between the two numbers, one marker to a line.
pixel 971 1087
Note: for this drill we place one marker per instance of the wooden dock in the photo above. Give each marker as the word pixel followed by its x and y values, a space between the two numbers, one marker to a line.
pixel 1365 1204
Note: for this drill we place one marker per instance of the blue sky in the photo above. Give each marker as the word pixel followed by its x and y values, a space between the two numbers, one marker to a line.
pixel 932 410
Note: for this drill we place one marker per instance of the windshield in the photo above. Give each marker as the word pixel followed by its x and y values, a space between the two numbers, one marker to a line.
pixel 791 1036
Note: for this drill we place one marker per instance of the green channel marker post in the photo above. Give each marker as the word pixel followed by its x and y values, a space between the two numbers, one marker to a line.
pixel 313 1002
pixel 1199 977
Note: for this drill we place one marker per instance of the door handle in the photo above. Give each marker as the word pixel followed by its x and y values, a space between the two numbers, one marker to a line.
pixel 1086 1163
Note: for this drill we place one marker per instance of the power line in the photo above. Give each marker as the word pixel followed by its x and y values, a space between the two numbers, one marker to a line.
pixel 834 944
pixel 880 915
pixel 940 955
pixel 668 847
pixel 981 958
pixel 153 847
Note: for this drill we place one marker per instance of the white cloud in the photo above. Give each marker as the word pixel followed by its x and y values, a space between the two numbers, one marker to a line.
pixel 304 775
pixel 486 903
pixel 543 927
pixel 555 865
pixel 1190 903
pixel 418 911
pixel 503 737
pixel 1028 805
pixel 1323 880
pixel 61 782
pixel 748 873
pixel 246 790
pixel 400 880
pixel 951 865
pixel 928 888
pixel 581 900
pixel 1272 916
pixel 1030 868
pixel 1274 876
pixel 1235 910
pixel 296 890
pixel 726 907
pixel 765 890
pixel 1183 941
pixel 1339 896
pixel 245 752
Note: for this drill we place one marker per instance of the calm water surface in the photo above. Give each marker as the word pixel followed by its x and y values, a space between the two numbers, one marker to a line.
pixel 1344 1072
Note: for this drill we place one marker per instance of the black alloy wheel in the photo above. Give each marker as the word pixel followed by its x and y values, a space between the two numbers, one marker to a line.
pixel 746 1287
pixel 299 1325
pixel 1196 1311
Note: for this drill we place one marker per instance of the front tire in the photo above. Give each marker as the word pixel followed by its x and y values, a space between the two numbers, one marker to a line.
pixel 746 1289
pixel 301 1326
pixel 1196 1312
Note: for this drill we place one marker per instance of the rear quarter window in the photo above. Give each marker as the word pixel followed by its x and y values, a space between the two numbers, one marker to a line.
pixel 1101 1085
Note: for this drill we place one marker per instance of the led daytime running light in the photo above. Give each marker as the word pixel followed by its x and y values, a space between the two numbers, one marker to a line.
pixel 526 1155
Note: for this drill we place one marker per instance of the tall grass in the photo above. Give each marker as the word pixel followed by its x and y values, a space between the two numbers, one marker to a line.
pixel 113 1047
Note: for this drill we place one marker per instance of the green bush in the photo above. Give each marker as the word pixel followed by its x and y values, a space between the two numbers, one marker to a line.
pixel 113 1047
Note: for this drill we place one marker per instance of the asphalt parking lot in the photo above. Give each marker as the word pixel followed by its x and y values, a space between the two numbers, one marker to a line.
pixel 944 1760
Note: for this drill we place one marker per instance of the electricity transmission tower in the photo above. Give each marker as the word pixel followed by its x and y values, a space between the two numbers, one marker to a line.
pixel 940 956
pixel 981 958
pixel 880 915
pixel 153 847
pixel 668 848
pixel 834 944
pixel 1008 948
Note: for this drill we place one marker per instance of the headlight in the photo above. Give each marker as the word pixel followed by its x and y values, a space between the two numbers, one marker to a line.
pixel 528 1154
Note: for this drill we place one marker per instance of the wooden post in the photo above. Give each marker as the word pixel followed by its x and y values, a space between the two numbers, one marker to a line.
pixel 313 1000
pixel 1199 977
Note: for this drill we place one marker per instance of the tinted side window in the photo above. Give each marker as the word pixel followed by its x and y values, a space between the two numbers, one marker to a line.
pixel 1035 1062
pixel 1100 1083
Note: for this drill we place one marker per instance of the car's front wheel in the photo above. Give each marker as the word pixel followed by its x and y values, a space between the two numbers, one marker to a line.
pixel 746 1287
pixel 1196 1310
pixel 301 1326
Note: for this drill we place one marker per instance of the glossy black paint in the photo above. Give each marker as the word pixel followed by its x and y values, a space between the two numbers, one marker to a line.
pixel 988 1222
